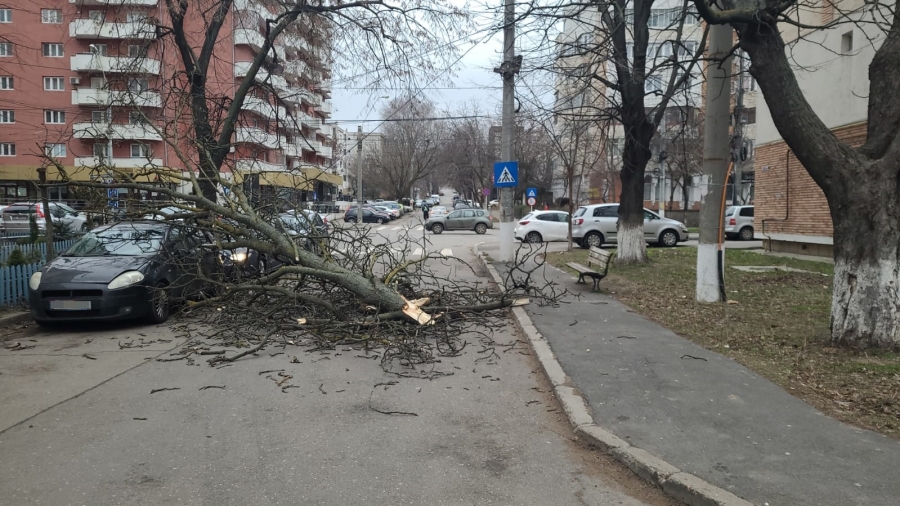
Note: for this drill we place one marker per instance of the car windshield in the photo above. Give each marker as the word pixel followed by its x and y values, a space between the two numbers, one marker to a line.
pixel 729 211
pixel 580 211
pixel 118 241
pixel 292 222
pixel 527 216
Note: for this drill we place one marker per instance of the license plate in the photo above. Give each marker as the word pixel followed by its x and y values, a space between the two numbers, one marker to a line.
pixel 70 305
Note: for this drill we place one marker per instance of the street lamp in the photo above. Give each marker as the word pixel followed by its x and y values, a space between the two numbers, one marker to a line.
pixel 662 182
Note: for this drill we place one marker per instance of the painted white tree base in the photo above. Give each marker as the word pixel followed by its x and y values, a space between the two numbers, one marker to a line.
pixel 632 247
pixel 708 273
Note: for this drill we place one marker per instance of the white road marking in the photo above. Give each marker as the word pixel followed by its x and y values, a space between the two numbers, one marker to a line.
pixel 380 228
pixel 396 228
pixel 447 252
pixel 419 228
pixel 417 252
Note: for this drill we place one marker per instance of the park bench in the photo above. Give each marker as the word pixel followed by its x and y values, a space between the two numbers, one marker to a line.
pixel 597 266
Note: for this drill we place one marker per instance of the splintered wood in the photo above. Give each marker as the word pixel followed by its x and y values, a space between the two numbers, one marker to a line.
pixel 411 309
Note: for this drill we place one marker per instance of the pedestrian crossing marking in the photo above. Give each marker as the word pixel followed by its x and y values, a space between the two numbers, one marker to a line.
pixel 447 252
pixel 506 176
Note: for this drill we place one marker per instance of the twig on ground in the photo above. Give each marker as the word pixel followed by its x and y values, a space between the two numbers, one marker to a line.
pixel 163 389
pixel 213 386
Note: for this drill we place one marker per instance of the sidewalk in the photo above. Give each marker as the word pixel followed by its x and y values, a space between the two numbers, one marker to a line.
pixel 706 414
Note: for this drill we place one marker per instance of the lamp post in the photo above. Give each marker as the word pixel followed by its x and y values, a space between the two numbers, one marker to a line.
pixel 662 183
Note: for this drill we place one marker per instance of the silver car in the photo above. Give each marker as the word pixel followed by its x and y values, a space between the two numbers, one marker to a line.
pixel 16 217
pixel 595 225
pixel 739 222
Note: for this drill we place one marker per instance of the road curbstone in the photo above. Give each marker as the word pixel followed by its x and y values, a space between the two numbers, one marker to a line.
pixel 679 485
pixel 697 492
pixel 16 318
pixel 603 439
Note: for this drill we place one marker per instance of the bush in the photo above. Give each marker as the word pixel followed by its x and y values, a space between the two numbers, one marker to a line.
pixel 17 258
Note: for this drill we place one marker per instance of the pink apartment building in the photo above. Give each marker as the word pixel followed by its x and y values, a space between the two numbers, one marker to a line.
pixel 91 81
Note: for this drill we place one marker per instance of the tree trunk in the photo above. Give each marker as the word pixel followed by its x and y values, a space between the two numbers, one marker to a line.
pixel 632 247
pixel 865 304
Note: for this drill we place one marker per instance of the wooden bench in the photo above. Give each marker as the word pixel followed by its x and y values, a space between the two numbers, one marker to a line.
pixel 597 266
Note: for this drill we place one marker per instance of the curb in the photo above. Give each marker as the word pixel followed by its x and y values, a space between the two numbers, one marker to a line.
pixel 679 485
pixel 16 318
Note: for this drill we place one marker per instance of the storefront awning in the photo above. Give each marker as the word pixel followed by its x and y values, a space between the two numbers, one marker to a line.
pixel 85 174
pixel 303 179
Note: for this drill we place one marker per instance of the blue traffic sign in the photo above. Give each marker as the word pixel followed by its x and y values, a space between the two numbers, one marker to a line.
pixel 506 174
pixel 531 192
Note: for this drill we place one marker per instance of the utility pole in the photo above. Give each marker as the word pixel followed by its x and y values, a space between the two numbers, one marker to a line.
pixel 508 70
pixel 737 151
pixel 710 254
pixel 359 188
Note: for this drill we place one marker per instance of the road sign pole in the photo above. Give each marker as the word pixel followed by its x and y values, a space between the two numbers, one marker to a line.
pixel 508 70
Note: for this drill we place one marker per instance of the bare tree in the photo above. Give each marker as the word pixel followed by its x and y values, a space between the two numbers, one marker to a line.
pixel 859 183
pixel 411 138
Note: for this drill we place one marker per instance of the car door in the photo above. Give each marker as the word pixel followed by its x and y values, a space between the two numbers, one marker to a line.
pixel 605 220
pixel 468 220
pixel 561 226
pixel 547 225
pixel 177 258
pixel 652 225
pixel 453 221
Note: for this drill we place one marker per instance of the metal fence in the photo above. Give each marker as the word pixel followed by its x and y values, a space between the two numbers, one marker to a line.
pixel 14 278
pixel 14 283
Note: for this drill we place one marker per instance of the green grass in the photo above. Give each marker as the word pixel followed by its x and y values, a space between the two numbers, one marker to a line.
pixel 776 323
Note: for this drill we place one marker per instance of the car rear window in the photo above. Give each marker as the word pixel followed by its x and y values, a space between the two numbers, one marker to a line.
pixel 729 211
pixel 579 212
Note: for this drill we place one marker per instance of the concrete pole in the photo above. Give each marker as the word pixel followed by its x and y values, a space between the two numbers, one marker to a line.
pixel 507 144
pixel 359 188
pixel 716 152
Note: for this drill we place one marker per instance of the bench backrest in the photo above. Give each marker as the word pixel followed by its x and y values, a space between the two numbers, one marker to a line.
pixel 598 259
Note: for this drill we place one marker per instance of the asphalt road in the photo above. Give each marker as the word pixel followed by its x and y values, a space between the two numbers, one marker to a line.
pixel 80 425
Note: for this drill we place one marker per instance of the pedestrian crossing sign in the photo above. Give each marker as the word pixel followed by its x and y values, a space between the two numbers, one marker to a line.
pixel 506 174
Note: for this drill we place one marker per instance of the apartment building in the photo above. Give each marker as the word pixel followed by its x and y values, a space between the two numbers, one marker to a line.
pixel 792 214
pixel 95 84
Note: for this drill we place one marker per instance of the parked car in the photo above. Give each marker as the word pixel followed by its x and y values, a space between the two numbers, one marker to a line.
pixel 369 216
pixel 122 271
pixel 16 217
pixel 391 213
pixel 395 208
pixel 595 225
pixel 307 230
pixel 243 262
pixel 739 222
pixel 494 204
pixel 437 212
pixel 463 219
pixel 461 204
pixel 541 226
pixel 418 203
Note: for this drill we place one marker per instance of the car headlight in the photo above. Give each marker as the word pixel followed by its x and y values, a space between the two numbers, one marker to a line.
pixel 35 280
pixel 239 257
pixel 126 279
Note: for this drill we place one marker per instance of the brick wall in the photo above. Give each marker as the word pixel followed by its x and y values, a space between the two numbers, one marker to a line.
pixel 785 190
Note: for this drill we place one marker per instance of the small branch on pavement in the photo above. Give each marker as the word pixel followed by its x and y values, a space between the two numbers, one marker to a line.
pixel 163 390
pixel 213 386
pixel 398 413
pixel 85 355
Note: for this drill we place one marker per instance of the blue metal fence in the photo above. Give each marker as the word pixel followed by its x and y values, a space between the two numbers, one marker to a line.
pixel 14 283
pixel 14 278
pixel 27 249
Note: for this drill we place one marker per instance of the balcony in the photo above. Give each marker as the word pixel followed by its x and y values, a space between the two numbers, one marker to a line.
pixel 253 135
pixel 326 151
pixel 88 62
pixel 310 145
pixel 310 122
pixel 254 39
pixel 325 109
pixel 265 109
pixel 87 28
pixel 250 166
pixel 117 131
pixel 116 3
pixel 242 67
pixel 99 97
pixel 309 98
pixel 119 163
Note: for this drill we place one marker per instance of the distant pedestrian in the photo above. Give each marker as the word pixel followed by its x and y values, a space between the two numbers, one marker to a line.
pixel 425 211
pixel 546 207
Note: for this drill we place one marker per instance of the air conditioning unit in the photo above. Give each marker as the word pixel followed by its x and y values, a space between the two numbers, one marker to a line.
pixel 75 81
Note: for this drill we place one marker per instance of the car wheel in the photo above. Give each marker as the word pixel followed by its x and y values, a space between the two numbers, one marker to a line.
pixel 437 228
pixel 160 306
pixel 84 228
pixel 746 234
pixel 592 239
pixel 668 238
pixel 480 229
pixel 261 266
pixel 351 220
pixel 533 237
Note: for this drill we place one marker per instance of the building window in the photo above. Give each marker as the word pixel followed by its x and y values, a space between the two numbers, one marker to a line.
pixel 653 84
pixel 5 15
pixel 847 42
pixel 137 51
pixel 54 117
pixel 53 50
pixel 98 16
pixel 140 151
pixel 7 149
pixel 138 84
pixel 136 16
pixel 6 49
pixel 137 118
pixel 98 83
pixel 101 150
pixel 7 116
pixel 6 82
pixel 51 16
pixel 99 117
pixel 55 150
pixel 54 84
pixel 648 187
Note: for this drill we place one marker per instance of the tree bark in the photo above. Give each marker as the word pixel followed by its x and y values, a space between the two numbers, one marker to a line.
pixel 632 247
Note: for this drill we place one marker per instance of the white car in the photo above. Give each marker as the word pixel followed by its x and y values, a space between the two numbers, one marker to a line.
pixel 543 226
pixel 494 203
pixel 438 211
pixel 17 217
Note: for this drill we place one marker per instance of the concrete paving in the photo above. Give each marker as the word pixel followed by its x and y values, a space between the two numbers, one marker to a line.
pixel 488 433
pixel 706 414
